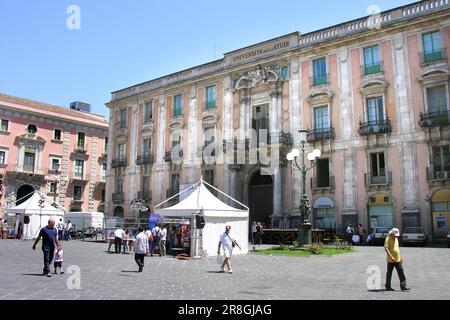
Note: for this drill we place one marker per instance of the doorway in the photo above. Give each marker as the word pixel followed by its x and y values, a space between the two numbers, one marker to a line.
pixel 24 193
pixel 260 199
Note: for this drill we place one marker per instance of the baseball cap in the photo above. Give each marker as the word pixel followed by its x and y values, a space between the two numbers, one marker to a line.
pixel 395 231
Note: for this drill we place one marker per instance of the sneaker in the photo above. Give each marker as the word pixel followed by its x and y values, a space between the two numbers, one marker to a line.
pixel 222 269
pixel 230 271
pixel 62 272
pixel 406 289
pixel 389 289
pixel 49 275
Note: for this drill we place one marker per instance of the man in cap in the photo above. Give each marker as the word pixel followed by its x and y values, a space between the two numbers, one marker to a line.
pixel 394 260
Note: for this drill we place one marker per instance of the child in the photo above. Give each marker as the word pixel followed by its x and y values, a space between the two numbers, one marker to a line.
pixel 59 259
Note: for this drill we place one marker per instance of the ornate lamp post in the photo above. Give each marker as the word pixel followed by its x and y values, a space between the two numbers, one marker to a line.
pixel 304 231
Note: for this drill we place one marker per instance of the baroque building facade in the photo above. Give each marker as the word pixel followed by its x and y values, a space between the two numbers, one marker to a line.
pixel 373 93
pixel 55 150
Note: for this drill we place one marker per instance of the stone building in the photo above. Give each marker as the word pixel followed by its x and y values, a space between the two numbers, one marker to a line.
pixel 373 92
pixel 57 151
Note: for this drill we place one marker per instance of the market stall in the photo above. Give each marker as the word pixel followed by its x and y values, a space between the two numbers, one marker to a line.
pixel 217 215
pixel 33 215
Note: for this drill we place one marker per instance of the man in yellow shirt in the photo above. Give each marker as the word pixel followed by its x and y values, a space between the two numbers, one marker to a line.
pixel 394 260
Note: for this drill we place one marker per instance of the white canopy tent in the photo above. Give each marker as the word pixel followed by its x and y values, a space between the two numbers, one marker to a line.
pixel 217 215
pixel 38 216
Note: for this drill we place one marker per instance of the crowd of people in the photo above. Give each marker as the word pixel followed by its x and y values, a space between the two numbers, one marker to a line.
pixel 257 233
pixel 156 238
pixel 358 236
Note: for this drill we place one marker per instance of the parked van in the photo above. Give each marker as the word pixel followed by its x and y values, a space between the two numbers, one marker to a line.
pixel 85 220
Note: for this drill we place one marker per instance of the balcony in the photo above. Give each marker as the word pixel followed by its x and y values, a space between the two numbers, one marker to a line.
pixel 319 80
pixel 375 127
pixel 76 201
pixel 436 56
pixel 273 139
pixel 80 149
pixel 369 69
pixel 144 159
pixel 378 180
pixel 320 134
pixel 118 197
pixel 80 177
pixel 433 174
pixel 144 195
pixel 434 119
pixel 326 182
pixel 118 163
pixel 168 156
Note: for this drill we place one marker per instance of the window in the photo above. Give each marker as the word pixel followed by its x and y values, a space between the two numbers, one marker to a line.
pixel 52 187
pixel 323 173
pixel 432 48
pixel 378 174
pixel 211 97
pixel 57 135
pixel 321 119
pixel 175 140
pixel 208 176
pixel 103 172
pixel 146 147
pixel 148 111
pixel 79 168
pixel 77 192
pixel 81 140
pixel 55 164
pixel 437 99
pixel 4 125
pixel 174 184
pixel 320 71
pixel 121 152
pixel 375 112
pixel 209 136
pixel 260 120
pixel 122 118
pixel 29 159
pixel 106 144
pixel 144 187
pixel 2 157
pixel 177 105
pixel 441 161
pixel 103 195
pixel 285 72
pixel 371 60
pixel 31 128
pixel 119 186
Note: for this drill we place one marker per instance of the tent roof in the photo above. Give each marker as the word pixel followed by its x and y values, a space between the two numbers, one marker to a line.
pixel 31 206
pixel 201 198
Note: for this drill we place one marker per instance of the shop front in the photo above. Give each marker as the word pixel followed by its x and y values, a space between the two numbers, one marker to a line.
pixel 440 212
pixel 381 212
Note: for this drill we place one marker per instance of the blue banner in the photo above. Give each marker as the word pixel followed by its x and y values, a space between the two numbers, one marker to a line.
pixel 153 220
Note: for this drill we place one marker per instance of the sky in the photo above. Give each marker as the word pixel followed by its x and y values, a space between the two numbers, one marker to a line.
pixel 122 43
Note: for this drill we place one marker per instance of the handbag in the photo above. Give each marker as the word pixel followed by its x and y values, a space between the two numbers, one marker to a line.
pixel 232 242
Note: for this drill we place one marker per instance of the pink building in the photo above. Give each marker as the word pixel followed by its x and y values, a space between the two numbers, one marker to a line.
pixel 58 151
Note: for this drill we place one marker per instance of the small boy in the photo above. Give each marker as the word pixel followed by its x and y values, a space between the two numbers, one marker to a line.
pixel 59 259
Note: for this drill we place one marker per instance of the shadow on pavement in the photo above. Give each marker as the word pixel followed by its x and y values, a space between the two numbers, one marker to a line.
pixel 32 274
pixel 130 271
pixel 215 272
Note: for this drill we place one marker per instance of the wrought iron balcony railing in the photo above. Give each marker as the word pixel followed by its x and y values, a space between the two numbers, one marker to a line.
pixel 434 119
pixel 322 182
pixel 117 163
pixel 118 197
pixel 320 134
pixel 375 127
pixel 436 173
pixel 144 159
pixel 378 179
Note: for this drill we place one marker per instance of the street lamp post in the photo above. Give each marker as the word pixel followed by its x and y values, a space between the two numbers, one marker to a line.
pixel 304 230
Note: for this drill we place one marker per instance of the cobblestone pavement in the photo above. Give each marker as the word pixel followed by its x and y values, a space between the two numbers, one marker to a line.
pixel 258 277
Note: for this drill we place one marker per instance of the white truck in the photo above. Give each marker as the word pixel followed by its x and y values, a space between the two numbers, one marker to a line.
pixel 90 222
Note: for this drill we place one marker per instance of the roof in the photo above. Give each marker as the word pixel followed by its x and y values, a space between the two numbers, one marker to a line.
pixel 77 115
pixel 201 198
pixel 31 206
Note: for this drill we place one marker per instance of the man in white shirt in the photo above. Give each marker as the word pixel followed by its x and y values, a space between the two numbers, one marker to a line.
pixel 140 248
pixel 163 238
pixel 68 230
pixel 60 226
pixel 227 241
pixel 118 236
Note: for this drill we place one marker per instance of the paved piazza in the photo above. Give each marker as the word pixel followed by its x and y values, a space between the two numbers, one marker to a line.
pixel 258 277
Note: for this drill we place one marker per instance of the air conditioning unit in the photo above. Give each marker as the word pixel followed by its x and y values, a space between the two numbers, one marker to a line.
pixel 441 174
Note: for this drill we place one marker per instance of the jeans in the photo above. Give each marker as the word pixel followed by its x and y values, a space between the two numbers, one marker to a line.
pixel 49 252
pixel 162 247
pixel 117 244
pixel 125 247
pixel 401 274
pixel 139 258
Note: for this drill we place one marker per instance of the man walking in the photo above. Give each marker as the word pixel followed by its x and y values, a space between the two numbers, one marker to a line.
pixel 49 236
pixel 68 231
pixel 118 236
pixel 156 237
pixel 228 242
pixel 394 260
pixel 163 238
pixel 60 226
pixel 140 248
